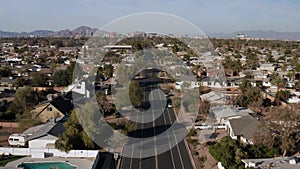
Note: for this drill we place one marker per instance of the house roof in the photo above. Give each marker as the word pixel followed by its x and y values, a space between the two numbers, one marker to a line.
pixel 50 128
pixel 229 111
pixel 7 80
pixel 213 96
pixel 244 126
pixel 60 103
pixel 279 162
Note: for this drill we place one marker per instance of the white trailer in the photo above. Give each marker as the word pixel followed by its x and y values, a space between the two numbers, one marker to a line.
pixel 18 140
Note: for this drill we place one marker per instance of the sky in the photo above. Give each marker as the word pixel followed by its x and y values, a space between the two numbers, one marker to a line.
pixel 211 16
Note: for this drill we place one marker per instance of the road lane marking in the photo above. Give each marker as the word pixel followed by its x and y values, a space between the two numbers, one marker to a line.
pixel 176 141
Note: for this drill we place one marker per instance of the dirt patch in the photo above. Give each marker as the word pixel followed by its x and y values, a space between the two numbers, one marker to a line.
pixel 200 152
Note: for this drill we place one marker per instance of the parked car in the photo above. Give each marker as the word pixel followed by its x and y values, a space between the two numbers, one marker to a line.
pixel 203 127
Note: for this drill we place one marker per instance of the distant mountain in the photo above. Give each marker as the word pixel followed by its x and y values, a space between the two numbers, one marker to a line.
pixel 80 31
pixel 87 31
pixel 261 34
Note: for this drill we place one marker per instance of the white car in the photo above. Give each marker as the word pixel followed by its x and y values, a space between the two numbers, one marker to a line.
pixel 203 127
pixel 221 126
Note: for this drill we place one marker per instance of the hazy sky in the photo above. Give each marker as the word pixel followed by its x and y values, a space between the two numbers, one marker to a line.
pixel 209 15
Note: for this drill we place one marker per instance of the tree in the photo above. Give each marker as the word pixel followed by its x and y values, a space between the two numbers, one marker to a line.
pixel 251 60
pixel 82 128
pixel 277 80
pixel 282 95
pixel 107 71
pixel 39 79
pixel 20 82
pixel 25 99
pixel 61 78
pixel 104 105
pixel 245 86
pixel 65 77
pixel 249 95
pixel 135 93
pixel 230 152
pixel 72 138
pixel 204 107
pixel 264 136
pixel 5 71
pixel 282 130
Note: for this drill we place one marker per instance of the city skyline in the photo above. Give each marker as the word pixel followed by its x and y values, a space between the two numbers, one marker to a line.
pixel 214 16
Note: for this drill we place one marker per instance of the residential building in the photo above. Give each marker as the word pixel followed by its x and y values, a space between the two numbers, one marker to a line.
pixel 47 134
pixel 278 162
pixel 51 109
pixel 243 128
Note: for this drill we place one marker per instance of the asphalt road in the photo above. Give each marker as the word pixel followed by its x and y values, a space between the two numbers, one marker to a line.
pixel 176 157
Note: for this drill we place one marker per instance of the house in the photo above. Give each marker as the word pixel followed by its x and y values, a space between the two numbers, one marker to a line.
pixel 52 108
pixel 259 75
pixel 270 67
pixel 234 82
pixel 293 99
pixel 278 162
pixel 266 82
pixel 7 81
pixel 212 82
pixel 79 88
pixel 243 128
pixel 189 81
pixel 225 113
pixel 214 97
pixel 45 135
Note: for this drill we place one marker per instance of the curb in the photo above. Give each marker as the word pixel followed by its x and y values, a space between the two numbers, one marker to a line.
pixel 190 154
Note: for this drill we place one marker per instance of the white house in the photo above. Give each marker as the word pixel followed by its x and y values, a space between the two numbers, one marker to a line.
pixel 243 128
pixel 225 113
pixel 212 82
pixel 78 87
pixel 278 162
pixel 214 97
pixel 270 67
pixel 188 81
pixel 47 134
pixel 294 99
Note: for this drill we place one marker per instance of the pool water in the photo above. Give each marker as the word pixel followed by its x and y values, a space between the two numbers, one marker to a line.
pixel 47 165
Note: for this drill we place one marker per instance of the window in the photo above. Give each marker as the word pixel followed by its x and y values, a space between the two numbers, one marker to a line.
pixel 49 109
pixel 16 139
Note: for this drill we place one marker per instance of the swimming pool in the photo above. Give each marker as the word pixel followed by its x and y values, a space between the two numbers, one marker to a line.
pixel 47 165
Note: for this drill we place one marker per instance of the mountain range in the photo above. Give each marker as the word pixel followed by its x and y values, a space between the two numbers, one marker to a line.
pixel 260 34
pixel 87 31
pixel 80 31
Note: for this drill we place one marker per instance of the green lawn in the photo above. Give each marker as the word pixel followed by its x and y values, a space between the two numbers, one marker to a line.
pixel 6 159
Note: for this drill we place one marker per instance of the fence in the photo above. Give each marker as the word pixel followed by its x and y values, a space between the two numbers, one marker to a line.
pixel 40 153
pixel 9 124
